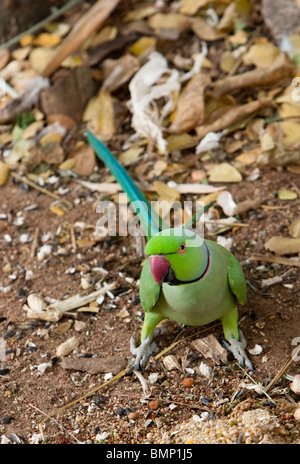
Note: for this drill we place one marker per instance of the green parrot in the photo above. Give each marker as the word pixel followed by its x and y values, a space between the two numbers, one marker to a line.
pixel 194 282
pixel 185 278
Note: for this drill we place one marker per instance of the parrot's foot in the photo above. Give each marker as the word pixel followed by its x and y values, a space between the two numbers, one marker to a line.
pixel 237 348
pixel 141 353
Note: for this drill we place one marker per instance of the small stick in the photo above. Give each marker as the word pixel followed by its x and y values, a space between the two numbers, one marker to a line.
pixel 37 187
pixel 73 239
pixel 56 422
pixel 34 243
pixel 282 370
pixel 275 259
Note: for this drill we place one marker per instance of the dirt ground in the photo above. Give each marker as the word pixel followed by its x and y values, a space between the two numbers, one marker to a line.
pixel 269 318
pixel 221 408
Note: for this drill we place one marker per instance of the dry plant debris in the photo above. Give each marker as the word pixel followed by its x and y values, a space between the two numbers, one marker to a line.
pixel 199 101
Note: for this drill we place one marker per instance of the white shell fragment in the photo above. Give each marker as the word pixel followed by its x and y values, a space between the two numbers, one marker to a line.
pixel 295 385
pixel 256 350
pixel 227 203
pixel 67 347
pixel 36 302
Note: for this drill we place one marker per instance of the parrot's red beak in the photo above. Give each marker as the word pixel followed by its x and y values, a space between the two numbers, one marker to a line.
pixel 159 267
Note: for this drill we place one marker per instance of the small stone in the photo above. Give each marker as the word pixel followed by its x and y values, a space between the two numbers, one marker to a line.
pixel 6 420
pixel 297 414
pixel 133 415
pixel 295 385
pixel 154 405
pixel 69 345
pixel 188 382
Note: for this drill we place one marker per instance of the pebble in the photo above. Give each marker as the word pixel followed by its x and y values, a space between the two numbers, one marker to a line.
pixel 188 382
pixel 133 415
pixel 297 414
pixel 69 345
pixel 295 385
pixel 154 405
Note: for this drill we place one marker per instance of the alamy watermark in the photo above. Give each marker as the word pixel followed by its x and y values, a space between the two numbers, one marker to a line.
pixel 136 220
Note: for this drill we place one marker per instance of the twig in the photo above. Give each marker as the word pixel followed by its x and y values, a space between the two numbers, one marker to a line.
pixel 41 23
pixel 34 243
pixel 41 189
pixel 224 223
pixel 56 422
pixel 282 370
pixel 263 390
pixel 275 259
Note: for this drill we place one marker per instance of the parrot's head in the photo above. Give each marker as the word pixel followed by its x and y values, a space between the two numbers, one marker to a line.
pixel 177 256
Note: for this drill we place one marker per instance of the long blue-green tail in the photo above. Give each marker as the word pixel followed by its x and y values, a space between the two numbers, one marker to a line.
pixel 150 220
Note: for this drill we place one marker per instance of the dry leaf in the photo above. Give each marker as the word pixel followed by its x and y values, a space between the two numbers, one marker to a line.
pixel 211 349
pixel 227 20
pixel 227 61
pixel 85 160
pixel 283 245
pixel 143 46
pixel 140 13
pixel 190 106
pixel 261 55
pixel 294 228
pixel 4 172
pixel 286 194
pixel 239 38
pixel 204 30
pixel 224 172
pixel 118 72
pixel 231 116
pixel 100 113
pixel 4 57
pixel 47 40
pixel 190 7
pixel 129 156
pixel 180 142
pixel 89 22
pixel 278 71
pixel 165 192
pixel 176 21
pixel 40 57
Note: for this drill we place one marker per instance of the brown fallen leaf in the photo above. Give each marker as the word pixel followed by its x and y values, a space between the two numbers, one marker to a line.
pixel 283 245
pixel 211 349
pixel 278 71
pixel 69 93
pixel 113 364
pixel 4 57
pixel 91 21
pixel 118 72
pixel 204 30
pixel 231 116
pixel 100 114
pixel 84 157
pixel 190 106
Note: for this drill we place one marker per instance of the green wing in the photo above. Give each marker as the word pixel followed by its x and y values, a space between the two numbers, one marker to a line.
pixel 149 289
pixel 237 280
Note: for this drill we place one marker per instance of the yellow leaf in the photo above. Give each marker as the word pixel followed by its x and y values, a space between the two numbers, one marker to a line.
pixel 130 155
pixel 286 194
pixel 47 40
pixel 56 210
pixel 165 192
pixel 4 172
pixel 180 142
pixel 169 21
pixel 27 40
pixel 239 38
pixel 191 7
pixel 227 61
pixel 261 55
pixel 291 131
pixel 100 113
pixel 143 44
pixel 140 13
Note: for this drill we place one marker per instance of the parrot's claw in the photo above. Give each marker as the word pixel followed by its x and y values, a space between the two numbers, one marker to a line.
pixel 237 348
pixel 142 353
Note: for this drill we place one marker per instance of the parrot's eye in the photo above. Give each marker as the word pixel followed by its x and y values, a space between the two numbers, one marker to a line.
pixel 182 248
